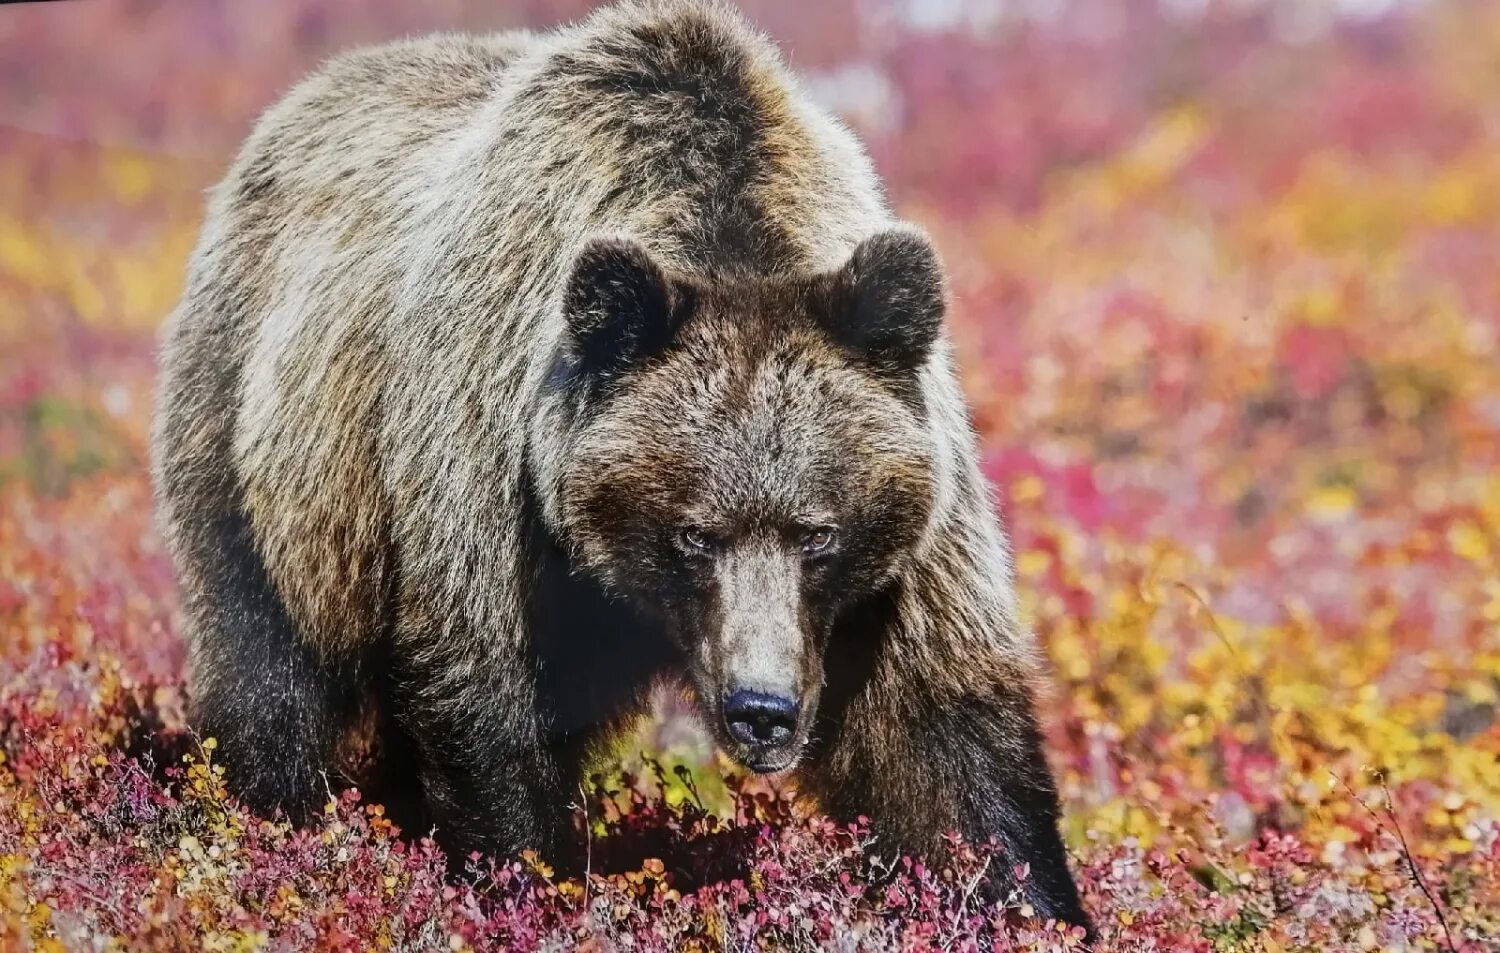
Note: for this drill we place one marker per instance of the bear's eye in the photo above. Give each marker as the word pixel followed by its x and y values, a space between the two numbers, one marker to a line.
pixel 697 541
pixel 818 540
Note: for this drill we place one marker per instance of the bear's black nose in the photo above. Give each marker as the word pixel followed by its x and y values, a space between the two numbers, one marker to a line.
pixel 756 718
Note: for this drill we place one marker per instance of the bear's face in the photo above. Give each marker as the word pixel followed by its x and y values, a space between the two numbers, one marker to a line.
pixel 751 460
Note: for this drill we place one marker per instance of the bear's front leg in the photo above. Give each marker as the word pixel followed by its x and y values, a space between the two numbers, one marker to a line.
pixel 971 764
pixel 928 727
pixel 489 781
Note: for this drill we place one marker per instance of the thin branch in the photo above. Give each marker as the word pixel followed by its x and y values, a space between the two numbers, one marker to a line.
pixel 588 848
pixel 1278 737
pixel 963 904
pixel 1213 622
pixel 1411 863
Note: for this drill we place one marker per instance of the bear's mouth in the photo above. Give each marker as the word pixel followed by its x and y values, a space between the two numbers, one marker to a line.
pixel 767 760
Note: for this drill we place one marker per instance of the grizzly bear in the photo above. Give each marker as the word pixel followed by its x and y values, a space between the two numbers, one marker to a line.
pixel 517 374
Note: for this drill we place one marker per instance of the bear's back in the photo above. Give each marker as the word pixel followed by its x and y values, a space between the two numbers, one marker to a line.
pixel 272 363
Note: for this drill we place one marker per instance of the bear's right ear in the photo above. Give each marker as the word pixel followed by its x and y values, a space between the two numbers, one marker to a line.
pixel 620 306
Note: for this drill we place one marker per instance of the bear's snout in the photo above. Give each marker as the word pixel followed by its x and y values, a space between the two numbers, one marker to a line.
pixel 760 720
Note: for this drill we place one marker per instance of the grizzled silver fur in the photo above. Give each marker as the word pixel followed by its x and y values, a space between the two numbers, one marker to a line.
pixel 412 460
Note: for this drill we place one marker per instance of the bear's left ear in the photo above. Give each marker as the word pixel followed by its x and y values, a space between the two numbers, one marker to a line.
pixel 621 308
pixel 889 300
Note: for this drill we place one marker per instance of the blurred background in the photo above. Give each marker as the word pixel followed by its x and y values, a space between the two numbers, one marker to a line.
pixel 1227 293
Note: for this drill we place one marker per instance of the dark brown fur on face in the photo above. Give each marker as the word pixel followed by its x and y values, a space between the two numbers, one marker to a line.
pixel 516 374
pixel 751 417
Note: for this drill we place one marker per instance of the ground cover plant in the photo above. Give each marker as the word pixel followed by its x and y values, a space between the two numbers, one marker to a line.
pixel 1227 289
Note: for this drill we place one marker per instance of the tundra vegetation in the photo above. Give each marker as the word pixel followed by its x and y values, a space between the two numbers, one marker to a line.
pixel 1227 298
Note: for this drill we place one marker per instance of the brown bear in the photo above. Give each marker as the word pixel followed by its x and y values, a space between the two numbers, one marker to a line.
pixel 517 374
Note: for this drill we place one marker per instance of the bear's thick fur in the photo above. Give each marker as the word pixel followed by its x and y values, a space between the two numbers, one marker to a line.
pixel 516 374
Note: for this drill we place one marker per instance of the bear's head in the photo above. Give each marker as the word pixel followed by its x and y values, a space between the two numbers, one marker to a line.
pixel 750 459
